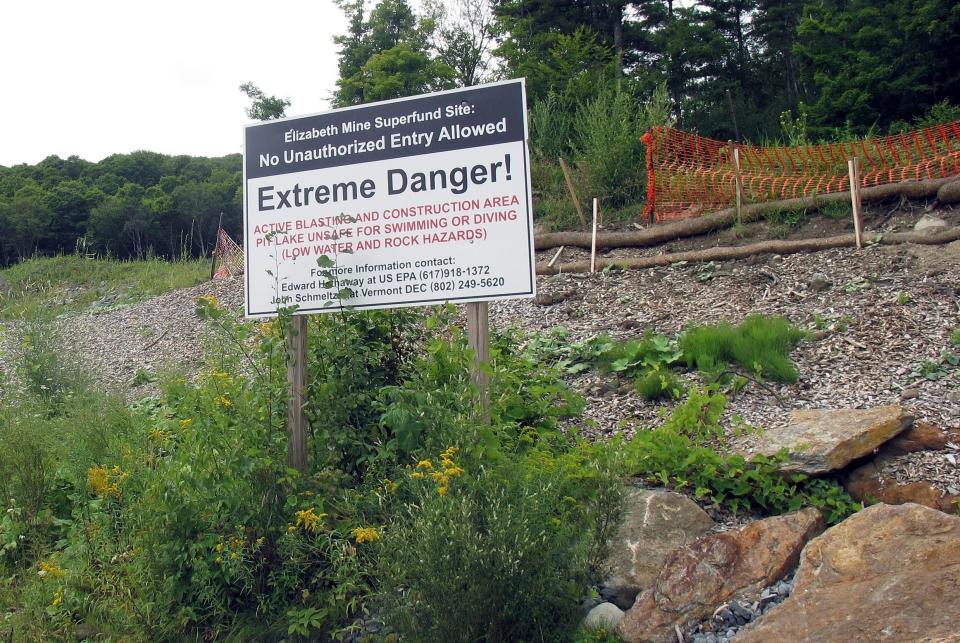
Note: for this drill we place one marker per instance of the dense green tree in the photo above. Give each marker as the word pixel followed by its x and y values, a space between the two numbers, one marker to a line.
pixel 867 63
pixel 263 107
pixel 29 218
pixel 387 55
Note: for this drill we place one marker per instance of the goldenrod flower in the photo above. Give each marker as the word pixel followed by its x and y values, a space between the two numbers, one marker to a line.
pixel 365 535
pixel 424 464
pixel 105 482
pixel 416 475
pixel 223 401
pixel 310 520
pixel 156 434
pixel 442 490
pixel 185 424
pixel 49 568
pixel 57 598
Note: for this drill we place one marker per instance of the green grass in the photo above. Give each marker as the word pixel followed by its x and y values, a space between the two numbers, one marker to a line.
pixel 69 283
pixel 761 345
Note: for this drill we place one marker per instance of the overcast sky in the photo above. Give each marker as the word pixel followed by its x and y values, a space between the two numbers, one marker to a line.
pixel 99 77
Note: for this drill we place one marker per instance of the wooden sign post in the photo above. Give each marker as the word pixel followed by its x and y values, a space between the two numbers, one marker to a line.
pixel 297 385
pixel 854 166
pixel 478 333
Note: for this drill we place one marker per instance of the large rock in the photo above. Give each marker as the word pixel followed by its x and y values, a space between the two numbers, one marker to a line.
pixel 654 524
pixel 887 573
pixel 824 440
pixel 922 436
pixel 699 576
pixel 868 485
pixel 929 221
pixel 605 615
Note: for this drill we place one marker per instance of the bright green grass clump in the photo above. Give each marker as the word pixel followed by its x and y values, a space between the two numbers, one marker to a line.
pixel 761 345
pixel 73 283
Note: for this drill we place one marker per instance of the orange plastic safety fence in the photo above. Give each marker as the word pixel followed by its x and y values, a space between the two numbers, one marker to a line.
pixel 689 175
pixel 229 255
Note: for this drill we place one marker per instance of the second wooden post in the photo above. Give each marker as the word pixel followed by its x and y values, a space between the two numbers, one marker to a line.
pixel 297 385
pixel 478 333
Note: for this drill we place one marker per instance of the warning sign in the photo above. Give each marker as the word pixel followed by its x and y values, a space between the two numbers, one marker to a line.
pixel 409 202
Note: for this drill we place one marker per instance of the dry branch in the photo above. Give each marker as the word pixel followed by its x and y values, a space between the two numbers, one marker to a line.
pixel 724 218
pixel 933 236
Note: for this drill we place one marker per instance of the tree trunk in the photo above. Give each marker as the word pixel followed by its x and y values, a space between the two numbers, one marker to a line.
pixel 723 218
pixel 933 237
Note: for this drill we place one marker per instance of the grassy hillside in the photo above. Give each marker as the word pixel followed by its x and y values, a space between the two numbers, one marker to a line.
pixel 68 283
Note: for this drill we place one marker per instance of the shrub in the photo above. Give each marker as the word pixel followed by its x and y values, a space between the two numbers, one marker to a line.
pixel 493 553
pixel 759 344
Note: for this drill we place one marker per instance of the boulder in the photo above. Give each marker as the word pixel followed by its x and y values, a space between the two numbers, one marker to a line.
pixel 705 573
pixel 928 221
pixel 605 615
pixel 823 440
pixel 654 524
pixel 922 436
pixel 819 282
pixel 887 573
pixel 868 485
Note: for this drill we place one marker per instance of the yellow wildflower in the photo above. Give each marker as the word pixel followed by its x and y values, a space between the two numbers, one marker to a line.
pixel 105 482
pixel 49 568
pixel 221 376
pixel 210 299
pixel 442 490
pixel 223 401
pixel 218 548
pixel 57 598
pixel 266 328
pixel 156 434
pixel 416 475
pixel 424 464
pixel 234 555
pixel 310 520
pixel 453 471
pixel 365 535
pixel 185 424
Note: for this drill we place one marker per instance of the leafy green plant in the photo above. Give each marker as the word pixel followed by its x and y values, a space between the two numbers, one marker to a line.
pixel 955 337
pixel 761 345
pixel 676 455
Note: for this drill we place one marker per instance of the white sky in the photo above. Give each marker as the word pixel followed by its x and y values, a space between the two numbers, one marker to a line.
pixel 99 77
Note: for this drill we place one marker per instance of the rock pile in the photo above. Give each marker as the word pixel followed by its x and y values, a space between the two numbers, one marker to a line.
pixel 887 573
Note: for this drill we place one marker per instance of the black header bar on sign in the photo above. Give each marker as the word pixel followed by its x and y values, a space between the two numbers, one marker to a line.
pixel 469 117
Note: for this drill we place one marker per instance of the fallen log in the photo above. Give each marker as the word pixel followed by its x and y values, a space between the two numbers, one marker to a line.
pixel 949 193
pixel 725 218
pixel 932 236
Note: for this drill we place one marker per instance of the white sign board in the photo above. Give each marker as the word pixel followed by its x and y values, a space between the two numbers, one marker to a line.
pixel 408 202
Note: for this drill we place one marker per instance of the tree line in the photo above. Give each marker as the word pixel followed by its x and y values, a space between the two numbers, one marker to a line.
pixel 127 205
pixel 732 68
